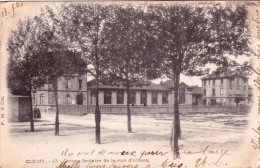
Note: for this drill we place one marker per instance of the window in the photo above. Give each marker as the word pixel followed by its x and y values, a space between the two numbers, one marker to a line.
pixel 67 100
pixel 205 92
pixel 53 99
pixel 41 99
pixel 120 97
pixel 67 81
pixel 80 83
pixel 237 82
pixel 221 91
pixel 213 82
pixel 230 82
pixel 51 86
pixel 209 81
pixel 221 81
pixel 164 97
pixel 205 82
pixel 107 97
pixel 92 97
pixel 154 97
pixel 182 96
pixel 189 89
pixel 143 97
pixel 213 92
pixel 132 97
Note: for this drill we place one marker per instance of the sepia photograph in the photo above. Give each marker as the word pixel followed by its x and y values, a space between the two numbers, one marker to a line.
pixel 134 84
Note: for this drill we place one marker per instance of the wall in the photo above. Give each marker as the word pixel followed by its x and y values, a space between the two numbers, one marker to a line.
pixel 137 98
pixel 19 108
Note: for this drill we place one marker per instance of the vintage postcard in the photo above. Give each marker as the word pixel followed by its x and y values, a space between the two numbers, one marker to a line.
pixel 131 84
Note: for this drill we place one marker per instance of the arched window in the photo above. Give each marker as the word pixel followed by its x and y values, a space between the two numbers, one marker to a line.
pixel 67 101
pixel 41 98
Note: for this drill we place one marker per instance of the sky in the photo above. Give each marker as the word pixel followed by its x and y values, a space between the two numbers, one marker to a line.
pixel 16 11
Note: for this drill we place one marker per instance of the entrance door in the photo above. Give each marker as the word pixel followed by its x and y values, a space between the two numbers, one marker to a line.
pixel 79 99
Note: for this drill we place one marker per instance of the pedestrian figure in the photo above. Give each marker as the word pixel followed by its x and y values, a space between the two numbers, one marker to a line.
pixel 38 113
pixel 35 112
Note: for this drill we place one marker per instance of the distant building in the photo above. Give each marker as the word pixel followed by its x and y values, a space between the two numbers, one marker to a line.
pixel 225 88
pixel 77 91
pixel 150 94
pixel 190 95
pixel 146 94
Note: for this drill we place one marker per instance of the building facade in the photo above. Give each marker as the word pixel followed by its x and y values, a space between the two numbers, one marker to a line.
pixel 220 88
pixel 71 91
pixel 147 95
pixel 76 91
pixel 189 95
pixel 225 88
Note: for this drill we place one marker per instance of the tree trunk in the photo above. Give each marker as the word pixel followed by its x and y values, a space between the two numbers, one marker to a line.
pixel 97 116
pixel 31 109
pixel 57 129
pixel 129 128
pixel 176 130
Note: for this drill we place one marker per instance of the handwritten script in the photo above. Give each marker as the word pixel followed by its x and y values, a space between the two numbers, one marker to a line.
pixel 10 11
pixel 256 53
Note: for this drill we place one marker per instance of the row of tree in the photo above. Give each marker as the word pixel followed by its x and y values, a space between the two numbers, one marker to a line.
pixel 122 45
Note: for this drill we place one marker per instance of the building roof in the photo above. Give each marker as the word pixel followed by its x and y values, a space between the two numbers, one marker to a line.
pixel 224 74
pixel 170 85
pixel 150 86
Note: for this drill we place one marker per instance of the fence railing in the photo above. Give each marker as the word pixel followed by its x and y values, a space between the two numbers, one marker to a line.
pixel 114 109
pixel 146 110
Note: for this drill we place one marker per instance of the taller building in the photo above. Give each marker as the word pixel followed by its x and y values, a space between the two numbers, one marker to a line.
pixel 72 90
pixel 225 88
